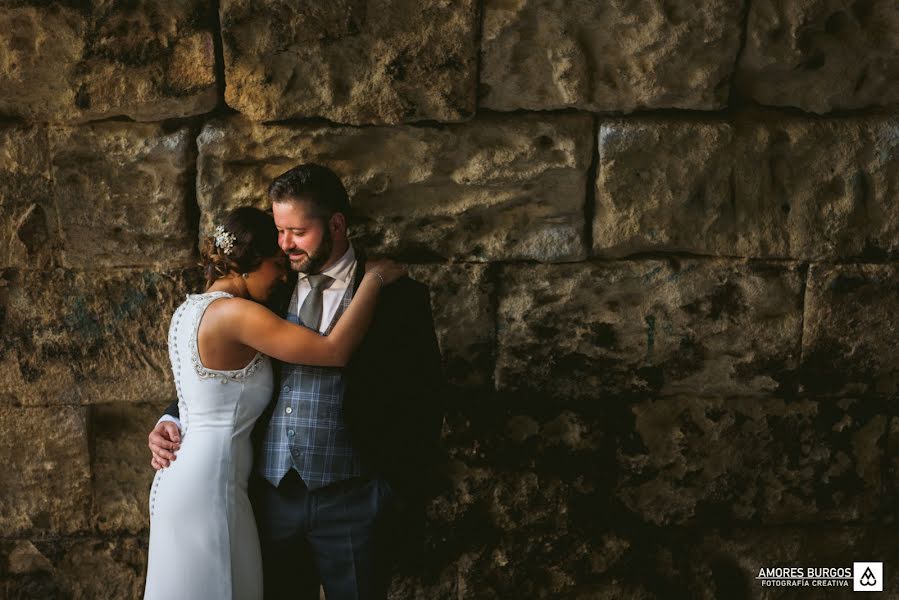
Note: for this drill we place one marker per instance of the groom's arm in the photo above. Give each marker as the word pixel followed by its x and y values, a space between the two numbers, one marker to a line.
pixel 165 439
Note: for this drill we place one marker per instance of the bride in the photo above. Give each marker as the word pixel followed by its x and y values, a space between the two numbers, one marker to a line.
pixel 203 541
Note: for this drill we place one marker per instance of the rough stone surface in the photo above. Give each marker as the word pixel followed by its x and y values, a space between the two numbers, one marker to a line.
pixel 851 324
pixel 795 188
pixel 28 230
pixel 352 61
pixel 65 62
pixel 751 459
pixel 703 564
pixel 25 558
pixel 821 55
pixel 74 337
pixel 82 568
pixel 597 330
pixel 608 55
pixel 498 188
pixel 122 190
pixel 461 302
pixel 891 472
pixel 121 465
pixel 510 522
pixel 725 563
pixel 46 474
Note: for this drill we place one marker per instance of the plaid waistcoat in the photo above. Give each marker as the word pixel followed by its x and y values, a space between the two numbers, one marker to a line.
pixel 307 431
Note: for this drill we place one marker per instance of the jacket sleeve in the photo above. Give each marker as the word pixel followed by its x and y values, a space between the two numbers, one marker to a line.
pixel 172 410
pixel 395 394
pixel 427 365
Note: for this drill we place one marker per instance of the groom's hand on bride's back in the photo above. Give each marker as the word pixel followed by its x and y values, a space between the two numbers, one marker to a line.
pixel 164 441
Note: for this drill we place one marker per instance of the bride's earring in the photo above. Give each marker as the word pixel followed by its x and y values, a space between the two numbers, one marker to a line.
pixel 246 290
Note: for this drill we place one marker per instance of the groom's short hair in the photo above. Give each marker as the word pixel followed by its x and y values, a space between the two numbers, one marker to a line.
pixel 316 184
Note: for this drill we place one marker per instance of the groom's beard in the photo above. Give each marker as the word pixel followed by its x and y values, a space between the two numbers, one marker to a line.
pixel 314 262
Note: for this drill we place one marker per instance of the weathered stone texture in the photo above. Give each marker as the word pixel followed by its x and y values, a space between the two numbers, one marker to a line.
pixel 24 557
pixel 46 474
pixel 352 61
pixel 891 472
pixel 75 337
pixel 495 189
pixel 28 230
pixel 462 305
pixel 850 330
pixel 796 188
pixel 68 63
pixel 82 568
pixel 121 465
pixel 701 327
pixel 752 459
pixel 607 55
pixel 821 55
pixel 122 192
pixel 725 563
pixel 511 521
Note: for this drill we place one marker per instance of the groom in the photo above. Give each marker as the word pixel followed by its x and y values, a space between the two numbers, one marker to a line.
pixel 338 447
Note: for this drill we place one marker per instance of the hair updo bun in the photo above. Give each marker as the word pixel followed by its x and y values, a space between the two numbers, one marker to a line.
pixel 254 239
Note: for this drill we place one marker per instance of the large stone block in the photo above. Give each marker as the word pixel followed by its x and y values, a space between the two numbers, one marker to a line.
pixel 608 56
pixel 850 327
pixel 87 337
pixel 64 62
pixel 122 192
pixel 464 319
pixel 794 188
pixel 497 188
pixel 700 327
pixel 522 512
pixel 821 55
pixel 725 563
pixel 76 568
pixel 29 234
pixel 121 465
pixel 754 459
pixel 891 472
pixel 46 476
pixel 353 61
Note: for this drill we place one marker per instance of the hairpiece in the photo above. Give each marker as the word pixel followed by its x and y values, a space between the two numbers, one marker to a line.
pixel 224 239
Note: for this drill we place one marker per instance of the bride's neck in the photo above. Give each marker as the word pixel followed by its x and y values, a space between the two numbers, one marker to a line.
pixel 232 284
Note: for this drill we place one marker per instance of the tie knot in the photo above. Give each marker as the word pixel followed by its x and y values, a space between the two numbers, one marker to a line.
pixel 319 281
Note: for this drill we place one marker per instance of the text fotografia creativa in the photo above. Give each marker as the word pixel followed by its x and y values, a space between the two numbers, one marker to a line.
pixel 863 577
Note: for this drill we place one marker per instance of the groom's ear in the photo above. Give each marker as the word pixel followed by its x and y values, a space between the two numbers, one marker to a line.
pixel 337 223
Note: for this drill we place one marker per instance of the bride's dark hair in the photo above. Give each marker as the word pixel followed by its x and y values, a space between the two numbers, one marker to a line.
pixel 252 236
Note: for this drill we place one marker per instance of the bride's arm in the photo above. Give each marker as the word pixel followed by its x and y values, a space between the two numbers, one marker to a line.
pixel 259 328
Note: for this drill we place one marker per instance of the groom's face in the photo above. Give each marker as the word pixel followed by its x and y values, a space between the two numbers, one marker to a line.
pixel 304 237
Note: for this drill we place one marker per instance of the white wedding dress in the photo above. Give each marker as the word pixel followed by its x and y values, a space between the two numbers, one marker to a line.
pixel 203 540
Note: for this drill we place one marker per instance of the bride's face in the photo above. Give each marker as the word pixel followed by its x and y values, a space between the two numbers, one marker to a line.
pixel 267 276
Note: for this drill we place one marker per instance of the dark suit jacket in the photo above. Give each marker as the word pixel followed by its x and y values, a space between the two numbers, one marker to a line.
pixel 393 404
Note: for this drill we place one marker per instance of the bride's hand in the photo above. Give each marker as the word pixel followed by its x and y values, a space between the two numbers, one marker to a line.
pixel 388 269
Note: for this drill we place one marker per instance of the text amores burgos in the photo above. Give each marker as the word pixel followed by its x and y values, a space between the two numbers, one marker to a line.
pixel 864 577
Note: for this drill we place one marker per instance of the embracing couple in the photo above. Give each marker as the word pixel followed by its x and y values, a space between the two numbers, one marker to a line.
pixel 292 438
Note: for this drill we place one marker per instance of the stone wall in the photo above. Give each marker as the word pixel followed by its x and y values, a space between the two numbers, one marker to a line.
pixel 662 240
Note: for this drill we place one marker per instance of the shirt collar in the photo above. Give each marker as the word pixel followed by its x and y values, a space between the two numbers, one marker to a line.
pixel 342 270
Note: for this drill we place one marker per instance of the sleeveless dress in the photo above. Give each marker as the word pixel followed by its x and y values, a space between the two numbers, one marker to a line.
pixel 203 540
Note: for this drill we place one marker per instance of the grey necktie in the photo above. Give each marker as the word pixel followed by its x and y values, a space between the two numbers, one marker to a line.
pixel 311 311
